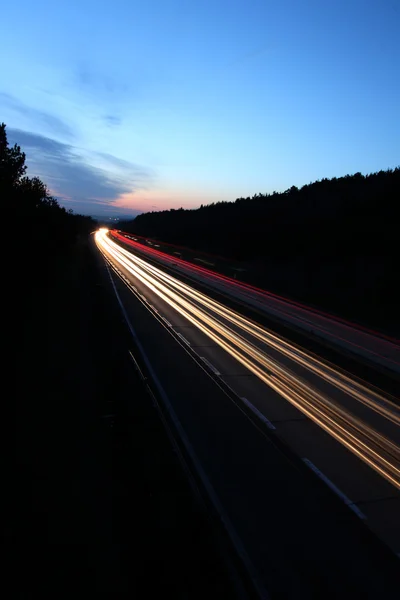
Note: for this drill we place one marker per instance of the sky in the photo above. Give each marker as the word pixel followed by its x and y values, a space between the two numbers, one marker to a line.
pixel 127 106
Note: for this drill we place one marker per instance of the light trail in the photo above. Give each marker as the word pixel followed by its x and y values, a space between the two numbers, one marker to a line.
pixel 356 338
pixel 241 338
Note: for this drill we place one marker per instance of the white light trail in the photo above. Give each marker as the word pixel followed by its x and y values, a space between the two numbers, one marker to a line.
pixel 241 338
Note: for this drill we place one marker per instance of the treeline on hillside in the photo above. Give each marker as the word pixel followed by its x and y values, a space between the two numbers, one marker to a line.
pixel 333 243
pixel 39 228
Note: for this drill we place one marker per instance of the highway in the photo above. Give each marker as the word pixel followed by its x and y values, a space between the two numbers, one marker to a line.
pixel 359 341
pixel 304 457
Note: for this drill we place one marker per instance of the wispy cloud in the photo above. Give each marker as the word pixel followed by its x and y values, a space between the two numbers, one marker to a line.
pixel 112 120
pixel 71 177
pixel 126 168
pixel 91 80
pixel 52 123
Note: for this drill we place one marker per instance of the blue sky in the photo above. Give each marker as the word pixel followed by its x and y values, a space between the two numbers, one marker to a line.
pixel 128 106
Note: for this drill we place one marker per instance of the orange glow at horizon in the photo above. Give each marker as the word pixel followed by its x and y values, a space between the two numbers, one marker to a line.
pixel 157 200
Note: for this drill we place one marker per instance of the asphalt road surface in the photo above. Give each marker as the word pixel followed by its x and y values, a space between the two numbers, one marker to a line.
pixel 303 457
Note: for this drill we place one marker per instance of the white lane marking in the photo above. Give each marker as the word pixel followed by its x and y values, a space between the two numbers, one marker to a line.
pixel 335 489
pixel 204 261
pixel 153 308
pixel 357 511
pixel 210 366
pixel 183 339
pixel 167 322
pixel 258 414
pixel 143 298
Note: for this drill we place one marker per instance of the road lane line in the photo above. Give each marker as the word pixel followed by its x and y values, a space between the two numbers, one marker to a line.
pixel 210 366
pixel 183 339
pixel 335 489
pixel 258 414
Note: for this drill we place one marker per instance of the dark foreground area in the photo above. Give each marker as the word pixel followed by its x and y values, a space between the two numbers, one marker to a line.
pixel 95 497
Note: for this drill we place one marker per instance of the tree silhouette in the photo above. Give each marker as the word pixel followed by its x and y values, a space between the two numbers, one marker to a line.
pixel 12 161
pixel 332 242
pixel 40 225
